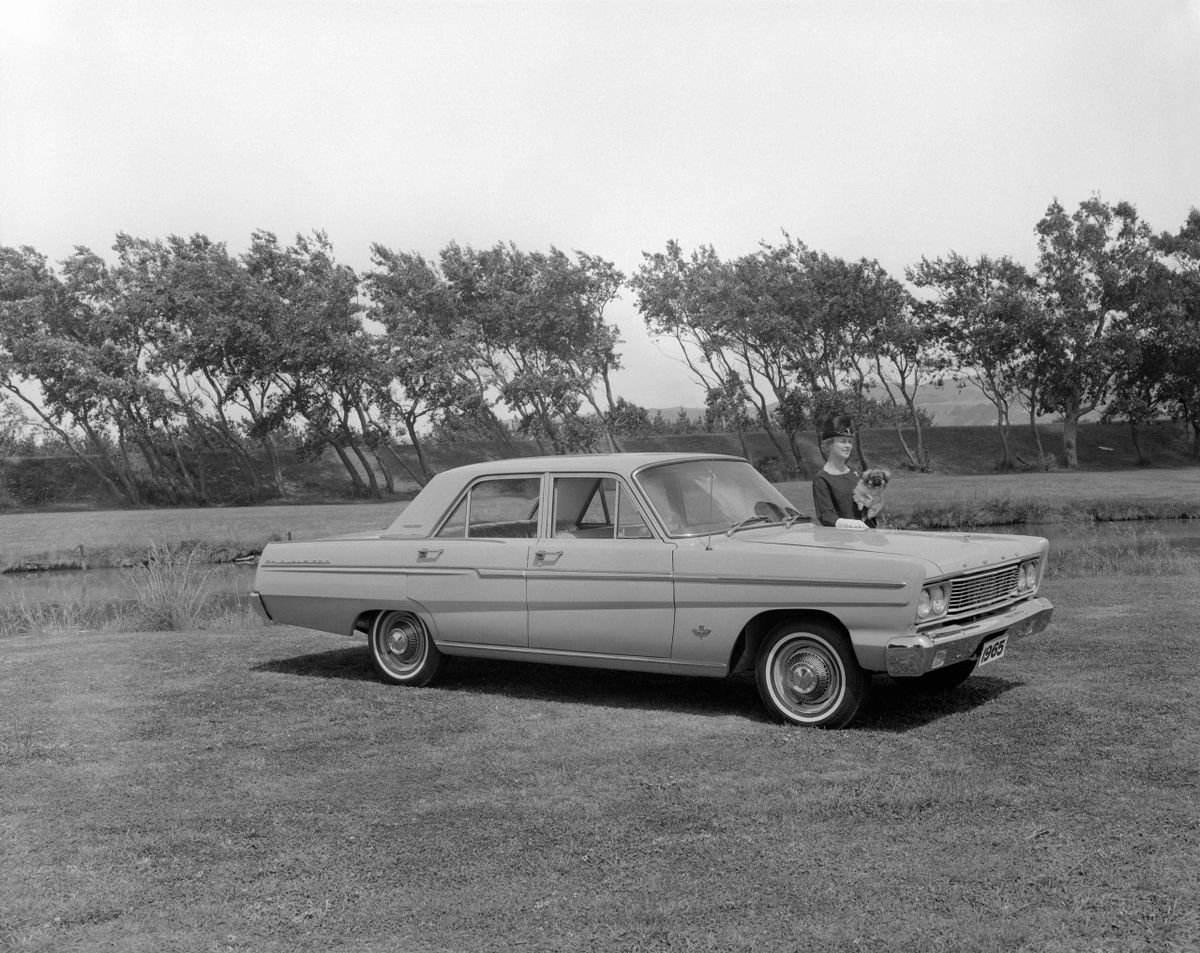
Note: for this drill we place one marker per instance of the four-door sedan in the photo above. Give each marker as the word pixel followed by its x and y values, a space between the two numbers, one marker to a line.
pixel 683 563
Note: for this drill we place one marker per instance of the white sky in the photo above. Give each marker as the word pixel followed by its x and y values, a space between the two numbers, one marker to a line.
pixel 885 130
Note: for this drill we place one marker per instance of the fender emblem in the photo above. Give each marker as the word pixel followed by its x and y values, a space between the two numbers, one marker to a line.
pixel 701 631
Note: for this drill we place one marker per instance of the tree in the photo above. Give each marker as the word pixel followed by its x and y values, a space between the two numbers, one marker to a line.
pixel 985 312
pixel 536 325
pixel 215 351
pixel 1092 268
pixel 320 361
pixel 1178 284
pixel 421 349
pixel 61 356
pixel 907 352
pixel 673 298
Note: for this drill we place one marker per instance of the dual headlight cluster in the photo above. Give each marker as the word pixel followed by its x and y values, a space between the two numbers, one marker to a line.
pixel 933 601
pixel 1027 577
pixel 936 598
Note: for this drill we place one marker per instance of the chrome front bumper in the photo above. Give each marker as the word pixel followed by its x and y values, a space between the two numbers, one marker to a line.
pixel 912 655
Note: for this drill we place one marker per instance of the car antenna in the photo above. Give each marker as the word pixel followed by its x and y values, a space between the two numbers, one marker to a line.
pixel 712 481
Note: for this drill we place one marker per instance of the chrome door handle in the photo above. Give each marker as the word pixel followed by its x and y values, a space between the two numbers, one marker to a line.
pixel 428 553
pixel 546 553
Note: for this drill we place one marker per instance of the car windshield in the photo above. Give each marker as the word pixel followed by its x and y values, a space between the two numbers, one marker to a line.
pixel 710 496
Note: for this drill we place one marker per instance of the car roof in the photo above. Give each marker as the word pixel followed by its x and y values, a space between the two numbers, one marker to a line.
pixel 622 463
pixel 439 493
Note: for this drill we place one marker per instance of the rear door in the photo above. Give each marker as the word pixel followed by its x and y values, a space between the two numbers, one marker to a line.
pixel 471 575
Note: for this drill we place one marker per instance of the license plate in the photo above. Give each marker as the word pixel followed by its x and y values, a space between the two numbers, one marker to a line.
pixel 992 649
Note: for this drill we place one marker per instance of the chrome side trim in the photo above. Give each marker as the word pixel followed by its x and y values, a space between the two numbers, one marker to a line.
pixel 520 653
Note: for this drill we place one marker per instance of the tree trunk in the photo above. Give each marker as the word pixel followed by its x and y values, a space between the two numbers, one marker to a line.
pixel 272 453
pixel 129 494
pixel 420 479
pixel 922 453
pixel 1005 444
pixel 356 481
pixel 1070 441
pixel 389 481
pixel 899 428
pixel 372 483
pixel 1037 439
pixel 1136 437
pixel 741 435
pixel 862 454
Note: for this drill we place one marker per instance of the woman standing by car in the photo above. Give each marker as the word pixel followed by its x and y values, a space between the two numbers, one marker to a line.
pixel 833 487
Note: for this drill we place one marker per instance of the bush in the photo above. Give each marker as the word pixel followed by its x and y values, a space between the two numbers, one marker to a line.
pixel 31 481
pixel 172 590
pixel 771 468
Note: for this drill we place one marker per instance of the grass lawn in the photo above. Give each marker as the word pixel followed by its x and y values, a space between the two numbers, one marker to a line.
pixel 234 790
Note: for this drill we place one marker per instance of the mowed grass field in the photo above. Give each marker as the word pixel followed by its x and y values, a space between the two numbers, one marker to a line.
pixel 94 539
pixel 263 791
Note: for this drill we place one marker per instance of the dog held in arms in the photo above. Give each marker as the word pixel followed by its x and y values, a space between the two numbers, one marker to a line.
pixel 871 489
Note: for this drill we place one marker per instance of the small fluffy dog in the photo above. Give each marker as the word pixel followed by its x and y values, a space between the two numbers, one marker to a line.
pixel 871 490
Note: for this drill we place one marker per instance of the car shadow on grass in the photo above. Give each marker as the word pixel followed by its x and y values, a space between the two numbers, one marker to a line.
pixel 894 705
pixel 351 663
pixel 897 705
pixel 554 683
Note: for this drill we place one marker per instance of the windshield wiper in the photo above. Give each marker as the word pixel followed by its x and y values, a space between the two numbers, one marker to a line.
pixel 795 516
pixel 756 518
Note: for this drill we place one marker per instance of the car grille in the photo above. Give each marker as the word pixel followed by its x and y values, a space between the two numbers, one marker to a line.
pixel 978 591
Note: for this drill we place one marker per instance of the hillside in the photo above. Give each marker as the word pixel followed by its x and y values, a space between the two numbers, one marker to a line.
pixel 953 449
pixel 62 483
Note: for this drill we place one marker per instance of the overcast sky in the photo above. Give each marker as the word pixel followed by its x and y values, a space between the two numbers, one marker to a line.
pixel 886 130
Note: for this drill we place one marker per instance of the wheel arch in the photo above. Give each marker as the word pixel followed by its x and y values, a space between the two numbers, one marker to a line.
pixel 745 648
pixel 363 622
pixel 365 618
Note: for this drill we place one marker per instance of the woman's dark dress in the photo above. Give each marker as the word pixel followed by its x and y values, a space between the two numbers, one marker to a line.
pixel 833 497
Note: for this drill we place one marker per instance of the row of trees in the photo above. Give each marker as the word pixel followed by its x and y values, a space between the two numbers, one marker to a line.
pixel 179 354
pixel 1109 318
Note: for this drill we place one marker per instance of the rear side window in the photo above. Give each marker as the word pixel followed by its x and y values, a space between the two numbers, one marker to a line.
pixel 498 509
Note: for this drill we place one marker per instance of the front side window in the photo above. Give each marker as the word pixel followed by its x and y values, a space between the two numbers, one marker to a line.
pixel 708 496
pixel 591 507
pixel 498 509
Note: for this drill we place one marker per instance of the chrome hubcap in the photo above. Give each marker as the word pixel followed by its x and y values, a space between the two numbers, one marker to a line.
pixel 808 676
pixel 403 643
pixel 399 641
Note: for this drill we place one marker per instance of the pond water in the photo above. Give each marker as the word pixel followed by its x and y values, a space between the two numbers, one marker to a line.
pixel 229 582
pixel 1131 534
pixel 232 582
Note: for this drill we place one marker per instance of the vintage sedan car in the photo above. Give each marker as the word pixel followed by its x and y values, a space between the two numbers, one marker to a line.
pixel 687 564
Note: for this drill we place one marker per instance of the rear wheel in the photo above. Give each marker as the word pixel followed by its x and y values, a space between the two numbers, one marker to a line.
pixel 402 649
pixel 807 674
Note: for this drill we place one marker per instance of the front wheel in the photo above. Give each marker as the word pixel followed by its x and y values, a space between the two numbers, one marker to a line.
pixel 402 649
pixel 807 674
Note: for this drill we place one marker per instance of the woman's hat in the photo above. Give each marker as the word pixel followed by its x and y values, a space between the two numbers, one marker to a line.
pixel 838 425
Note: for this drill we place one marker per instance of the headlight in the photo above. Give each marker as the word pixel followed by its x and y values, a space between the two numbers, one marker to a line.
pixel 1027 577
pixel 932 602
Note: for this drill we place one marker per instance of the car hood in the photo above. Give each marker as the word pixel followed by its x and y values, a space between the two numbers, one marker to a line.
pixel 945 552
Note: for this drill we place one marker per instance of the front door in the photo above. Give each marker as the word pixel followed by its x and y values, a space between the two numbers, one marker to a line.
pixel 600 583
